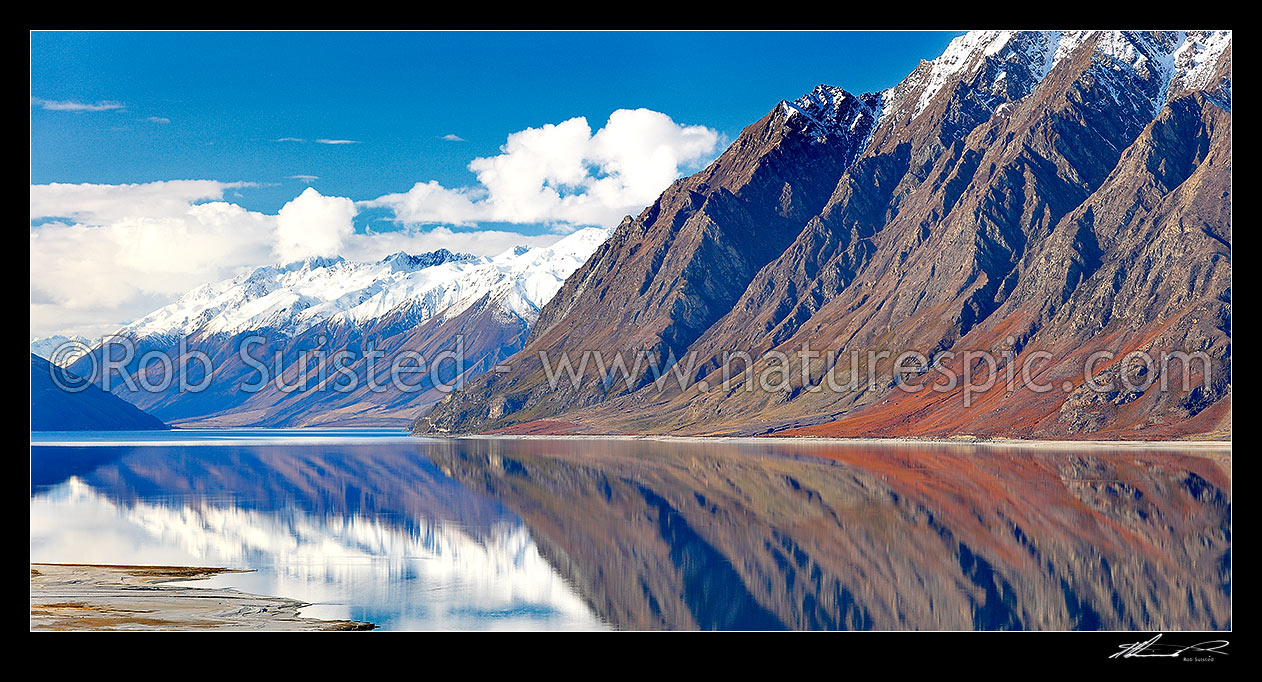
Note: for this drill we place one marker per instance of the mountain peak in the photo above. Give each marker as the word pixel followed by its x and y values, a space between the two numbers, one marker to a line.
pixel 1004 66
pixel 312 263
pixel 1019 60
pixel 407 261
pixel 829 110
pixel 60 349
pixel 818 228
pixel 296 296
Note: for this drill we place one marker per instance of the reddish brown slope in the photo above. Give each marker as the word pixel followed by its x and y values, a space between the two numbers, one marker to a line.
pixel 1143 265
pixel 1086 211
pixel 699 536
pixel 666 276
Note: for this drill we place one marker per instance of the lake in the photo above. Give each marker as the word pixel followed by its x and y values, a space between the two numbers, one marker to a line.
pixel 572 534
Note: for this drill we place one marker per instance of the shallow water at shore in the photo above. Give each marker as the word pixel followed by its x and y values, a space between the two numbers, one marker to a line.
pixel 576 534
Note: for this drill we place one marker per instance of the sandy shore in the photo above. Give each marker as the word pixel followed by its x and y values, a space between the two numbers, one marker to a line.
pixel 87 597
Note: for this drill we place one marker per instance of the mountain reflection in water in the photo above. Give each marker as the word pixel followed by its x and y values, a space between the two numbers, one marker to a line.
pixel 642 534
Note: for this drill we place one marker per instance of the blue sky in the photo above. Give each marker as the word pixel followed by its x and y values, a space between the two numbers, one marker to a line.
pixel 227 96
pixel 361 144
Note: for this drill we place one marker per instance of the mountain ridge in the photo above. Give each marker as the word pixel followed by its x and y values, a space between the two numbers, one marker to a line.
pixel 974 162
pixel 428 304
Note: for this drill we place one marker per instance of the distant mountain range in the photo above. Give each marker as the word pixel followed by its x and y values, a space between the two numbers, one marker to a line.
pixel 1056 193
pixel 88 409
pixel 66 349
pixel 426 303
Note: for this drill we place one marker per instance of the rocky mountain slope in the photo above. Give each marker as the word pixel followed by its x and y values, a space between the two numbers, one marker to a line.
pixel 291 316
pixel 1040 196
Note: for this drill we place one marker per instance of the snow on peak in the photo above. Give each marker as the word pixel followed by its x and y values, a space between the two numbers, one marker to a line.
pixel 828 109
pixel 1196 61
pixel 1150 67
pixel 294 297
pixel 1014 62
pixel 312 263
pixel 1026 52
pixel 60 349
pixel 405 261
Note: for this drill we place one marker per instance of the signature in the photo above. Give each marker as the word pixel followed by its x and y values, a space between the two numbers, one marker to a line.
pixel 1152 649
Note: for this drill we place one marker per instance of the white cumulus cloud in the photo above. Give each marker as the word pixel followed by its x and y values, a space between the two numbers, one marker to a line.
pixel 94 274
pixel 103 255
pixel 313 225
pixel 98 204
pixel 564 174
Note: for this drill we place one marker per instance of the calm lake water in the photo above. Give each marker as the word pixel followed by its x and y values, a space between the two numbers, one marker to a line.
pixel 413 533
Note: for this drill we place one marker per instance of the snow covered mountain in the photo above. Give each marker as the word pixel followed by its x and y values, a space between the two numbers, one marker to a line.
pixel 983 71
pixel 66 349
pixel 998 67
pixel 293 298
pixel 280 315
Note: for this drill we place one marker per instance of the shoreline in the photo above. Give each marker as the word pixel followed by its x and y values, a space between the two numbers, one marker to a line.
pixel 1225 445
pixel 404 436
pixel 76 597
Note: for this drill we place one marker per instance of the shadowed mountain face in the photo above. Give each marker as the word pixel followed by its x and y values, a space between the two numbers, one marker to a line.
pixel 311 390
pixel 84 408
pixel 669 274
pixel 717 536
pixel 1038 195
